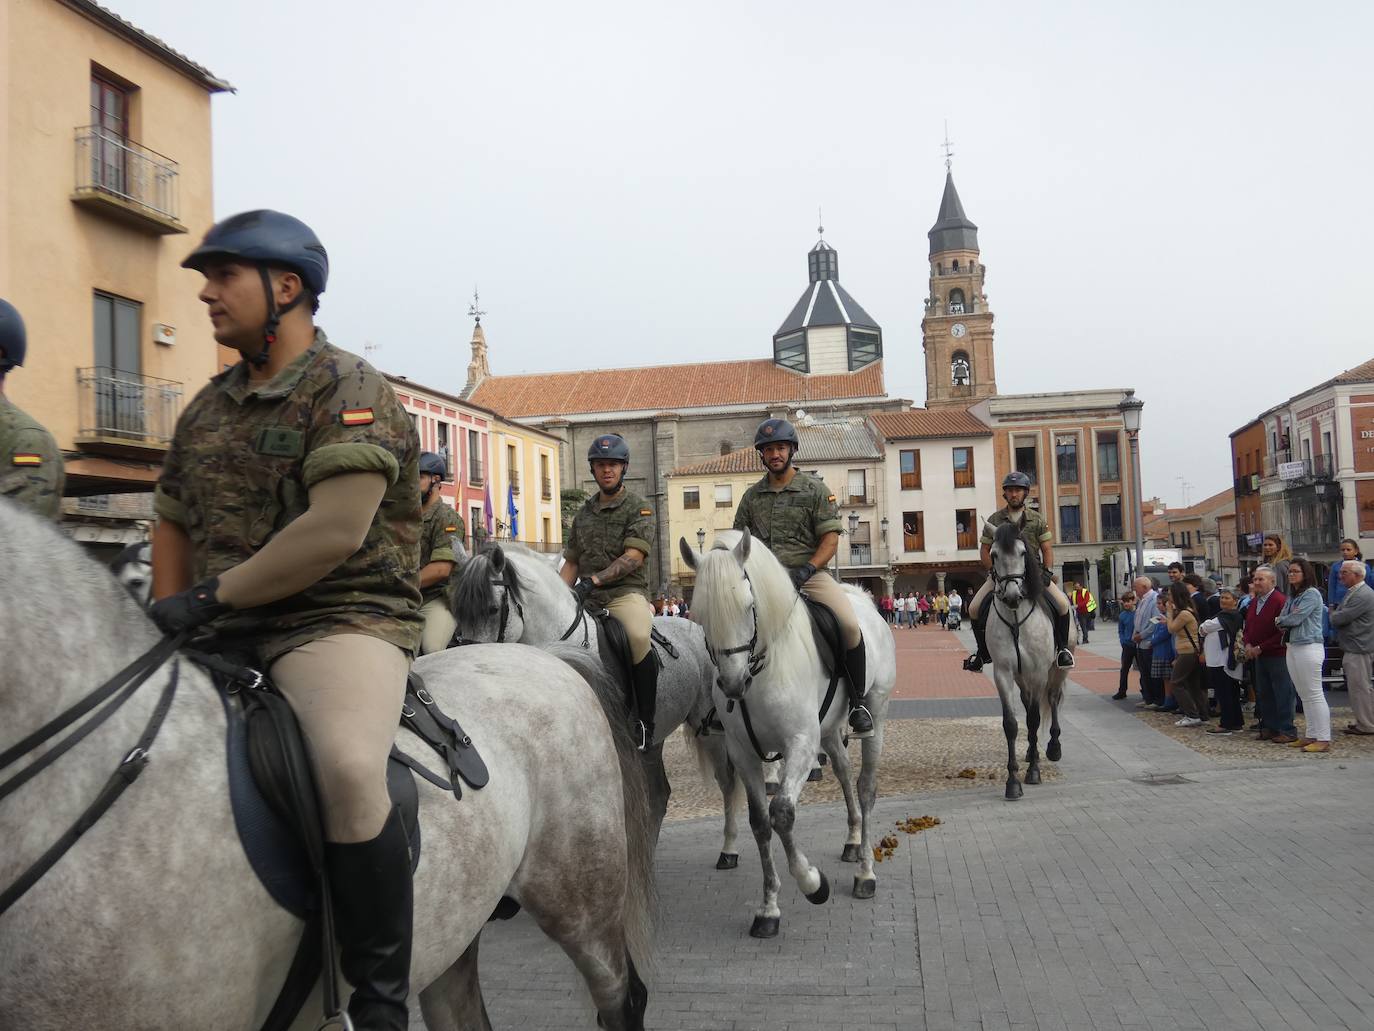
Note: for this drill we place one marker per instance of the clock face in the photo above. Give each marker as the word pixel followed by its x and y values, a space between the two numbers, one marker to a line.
pixel 958 329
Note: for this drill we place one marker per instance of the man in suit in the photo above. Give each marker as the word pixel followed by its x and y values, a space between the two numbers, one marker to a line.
pixel 1275 696
pixel 1354 620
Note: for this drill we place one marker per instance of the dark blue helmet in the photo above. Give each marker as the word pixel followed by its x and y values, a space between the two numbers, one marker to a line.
pixel 610 446
pixel 432 464
pixel 13 339
pixel 1016 478
pixel 265 238
pixel 775 431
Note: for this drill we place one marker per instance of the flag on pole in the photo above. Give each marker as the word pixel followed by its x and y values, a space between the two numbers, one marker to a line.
pixel 487 512
pixel 513 513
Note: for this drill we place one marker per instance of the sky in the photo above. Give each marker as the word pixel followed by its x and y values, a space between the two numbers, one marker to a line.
pixel 1172 196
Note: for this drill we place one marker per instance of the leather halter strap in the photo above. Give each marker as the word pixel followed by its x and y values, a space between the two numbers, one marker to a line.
pixel 459 641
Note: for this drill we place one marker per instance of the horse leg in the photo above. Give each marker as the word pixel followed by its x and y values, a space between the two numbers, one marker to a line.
pixel 839 762
pixel 865 881
pixel 728 783
pixel 1032 750
pixel 1052 750
pixel 1003 681
pixel 772 777
pixel 782 814
pixel 453 1001
pixel 768 916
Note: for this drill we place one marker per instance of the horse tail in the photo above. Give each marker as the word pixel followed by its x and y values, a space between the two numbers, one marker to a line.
pixel 640 894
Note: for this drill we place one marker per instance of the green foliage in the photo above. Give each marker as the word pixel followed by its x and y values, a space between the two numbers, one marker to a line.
pixel 570 500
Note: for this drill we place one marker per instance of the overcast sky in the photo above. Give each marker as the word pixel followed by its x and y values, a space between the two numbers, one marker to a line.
pixel 1173 197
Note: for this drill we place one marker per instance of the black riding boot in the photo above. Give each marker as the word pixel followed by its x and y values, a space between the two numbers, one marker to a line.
pixel 1063 657
pixel 856 676
pixel 370 882
pixel 975 662
pixel 645 676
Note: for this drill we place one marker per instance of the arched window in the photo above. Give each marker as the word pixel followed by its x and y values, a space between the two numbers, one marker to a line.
pixel 956 301
pixel 960 371
pixel 956 264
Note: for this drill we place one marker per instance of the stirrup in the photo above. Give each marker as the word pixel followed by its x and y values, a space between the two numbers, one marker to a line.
pixel 1064 653
pixel 863 715
pixel 974 663
pixel 340 1020
pixel 639 734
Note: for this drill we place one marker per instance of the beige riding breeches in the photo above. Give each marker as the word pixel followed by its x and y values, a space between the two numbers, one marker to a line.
pixel 1057 596
pixel 439 626
pixel 346 690
pixel 823 588
pixel 632 611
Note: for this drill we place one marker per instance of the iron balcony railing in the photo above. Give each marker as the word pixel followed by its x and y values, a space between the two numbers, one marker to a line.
pixel 476 475
pixel 515 481
pixel 860 499
pixel 126 406
pixel 1316 539
pixel 1071 534
pixel 1246 485
pixel 861 554
pixel 108 163
pixel 1112 533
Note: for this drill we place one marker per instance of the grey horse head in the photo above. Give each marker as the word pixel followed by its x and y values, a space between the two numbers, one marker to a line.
pixel 132 568
pixel 1016 570
pixel 488 599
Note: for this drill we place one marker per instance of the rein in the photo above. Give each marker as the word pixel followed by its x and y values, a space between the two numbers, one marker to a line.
pixel 580 617
pixel 123 685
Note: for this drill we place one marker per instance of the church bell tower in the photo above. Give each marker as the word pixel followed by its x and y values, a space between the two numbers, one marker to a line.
pixel 956 331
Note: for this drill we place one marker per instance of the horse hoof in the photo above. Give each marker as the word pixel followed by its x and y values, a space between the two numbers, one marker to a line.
pixel 821 894
pixel 865 888
pixel 816 774
pixel 765 927
pixel 822 758
pixel 1053 751
pixel 727 861
pixel 770 787
pixel 851 854
pixel 1033 775
pixel 1013 790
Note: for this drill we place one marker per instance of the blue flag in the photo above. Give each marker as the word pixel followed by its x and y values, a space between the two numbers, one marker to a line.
pixel 513 513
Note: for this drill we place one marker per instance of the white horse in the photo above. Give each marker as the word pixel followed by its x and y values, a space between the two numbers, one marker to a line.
pixel 508 593
pixel 1021 643
pixel 772 690
pixel 154 919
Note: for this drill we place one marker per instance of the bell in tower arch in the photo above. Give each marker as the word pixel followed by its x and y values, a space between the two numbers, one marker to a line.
pixel 960 373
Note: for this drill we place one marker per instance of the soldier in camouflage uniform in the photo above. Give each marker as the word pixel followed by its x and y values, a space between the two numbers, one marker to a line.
pixel 441 528
pixel 289 519
pixel 613 533
pixel 1039 541
pixel 30 463
pixel 795 516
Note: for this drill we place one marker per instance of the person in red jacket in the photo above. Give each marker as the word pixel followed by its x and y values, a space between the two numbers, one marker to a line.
pixel 1275 696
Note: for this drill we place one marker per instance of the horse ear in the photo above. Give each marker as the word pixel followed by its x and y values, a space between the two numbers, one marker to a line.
pixel 498 559
pixel 460 557
pixel 742 548
pixel 688 555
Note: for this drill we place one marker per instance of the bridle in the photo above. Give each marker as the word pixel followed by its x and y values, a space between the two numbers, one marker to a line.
pixel 504 619
pixel 758 657
pixel 1016 622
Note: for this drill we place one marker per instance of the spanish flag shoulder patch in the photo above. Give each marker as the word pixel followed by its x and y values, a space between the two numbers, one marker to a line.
pixel 646 511
pixel 450 529
pixel 357 417
pixel 831 498
pixel 27 458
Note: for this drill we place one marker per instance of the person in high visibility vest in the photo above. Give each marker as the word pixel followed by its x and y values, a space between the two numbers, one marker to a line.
pixel 1085 606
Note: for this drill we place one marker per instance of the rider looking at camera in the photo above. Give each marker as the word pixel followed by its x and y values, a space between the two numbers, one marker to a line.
pixel 613 533
pixel 1036 533
pixel 795 516
pixel 289 521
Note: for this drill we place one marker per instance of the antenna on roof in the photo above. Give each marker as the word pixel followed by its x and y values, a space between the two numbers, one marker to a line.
pixel 948 146
pixel 475 308
pixel 820 223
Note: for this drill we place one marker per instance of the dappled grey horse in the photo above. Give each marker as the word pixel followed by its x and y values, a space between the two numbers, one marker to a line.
pixel 508 593
pixel 1021 643
pixel 153 919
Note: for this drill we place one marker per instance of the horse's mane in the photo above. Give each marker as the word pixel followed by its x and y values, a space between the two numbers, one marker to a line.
pixel 1004 540
pixel 473 595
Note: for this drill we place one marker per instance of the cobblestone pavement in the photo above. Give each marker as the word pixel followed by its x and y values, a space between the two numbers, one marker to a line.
pixel 1152 885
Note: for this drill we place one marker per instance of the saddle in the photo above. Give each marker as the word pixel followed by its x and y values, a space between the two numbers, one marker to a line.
pixel 613 645
pixel 277 813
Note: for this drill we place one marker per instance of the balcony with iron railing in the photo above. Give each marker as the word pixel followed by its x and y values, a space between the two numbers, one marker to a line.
pixel 1113 533
pixel 861 554
pixel 476 474
pixel 514 479
pixel 1302 471
pixel 122 179
pixel 1070 535
pixel 124 413
pixel 859 499
pixel 1247 485
pixel 1316 539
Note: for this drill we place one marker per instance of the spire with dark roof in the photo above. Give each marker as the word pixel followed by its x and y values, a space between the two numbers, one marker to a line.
pixel 825 302
pixel 952 230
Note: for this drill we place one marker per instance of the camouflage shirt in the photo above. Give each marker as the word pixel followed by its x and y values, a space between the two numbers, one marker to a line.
pixel 240 467
pixel 438 527
pixel 792 520
pixel 30 464
pixel 1034 530
pixel 600 534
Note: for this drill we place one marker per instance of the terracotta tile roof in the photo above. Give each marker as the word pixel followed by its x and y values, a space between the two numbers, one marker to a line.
pixel 1204 506
pixel 672 387
pixel 923 422
pixel 1359 374
pixel 745 460
pixel 832 441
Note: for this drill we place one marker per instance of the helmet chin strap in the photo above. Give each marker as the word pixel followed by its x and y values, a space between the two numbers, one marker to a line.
pixel 274 314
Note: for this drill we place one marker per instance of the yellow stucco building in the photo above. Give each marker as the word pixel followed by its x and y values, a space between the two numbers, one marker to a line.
pixel 105 184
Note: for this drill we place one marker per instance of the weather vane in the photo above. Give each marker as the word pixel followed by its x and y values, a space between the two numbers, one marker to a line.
pixel 949 148
pixel 475 309
pixel 820 223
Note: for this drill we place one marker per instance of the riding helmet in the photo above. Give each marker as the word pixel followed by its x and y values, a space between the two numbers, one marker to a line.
pixel 432 464
pixel 1016 479
pixel 13 339
pixel 609 446
pixel 265 238
pixel 773 431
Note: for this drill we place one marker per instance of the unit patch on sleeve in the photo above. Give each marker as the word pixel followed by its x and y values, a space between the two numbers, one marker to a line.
pixel 646 511
pixel 450 529
pixel 356 416
pixel 27 458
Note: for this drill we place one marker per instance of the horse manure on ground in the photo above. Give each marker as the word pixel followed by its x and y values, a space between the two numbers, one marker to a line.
pixel 916 824
pixel 968 773
pixel 885 848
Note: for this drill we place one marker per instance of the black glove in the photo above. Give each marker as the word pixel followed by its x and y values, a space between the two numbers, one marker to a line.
pixel 189 609
pixel 1047 575
pixel 583 589
pixel 801 574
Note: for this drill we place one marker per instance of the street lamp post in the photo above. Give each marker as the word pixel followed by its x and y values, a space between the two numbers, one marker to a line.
pixel 853 529
pixel 701 539
pixel 1130 417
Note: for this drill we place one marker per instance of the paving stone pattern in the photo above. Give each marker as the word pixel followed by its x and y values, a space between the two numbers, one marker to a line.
pixel 1148 887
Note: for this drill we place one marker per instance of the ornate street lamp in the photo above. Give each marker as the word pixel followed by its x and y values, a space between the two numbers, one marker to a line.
pixel 701 539
pixel 1130 408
